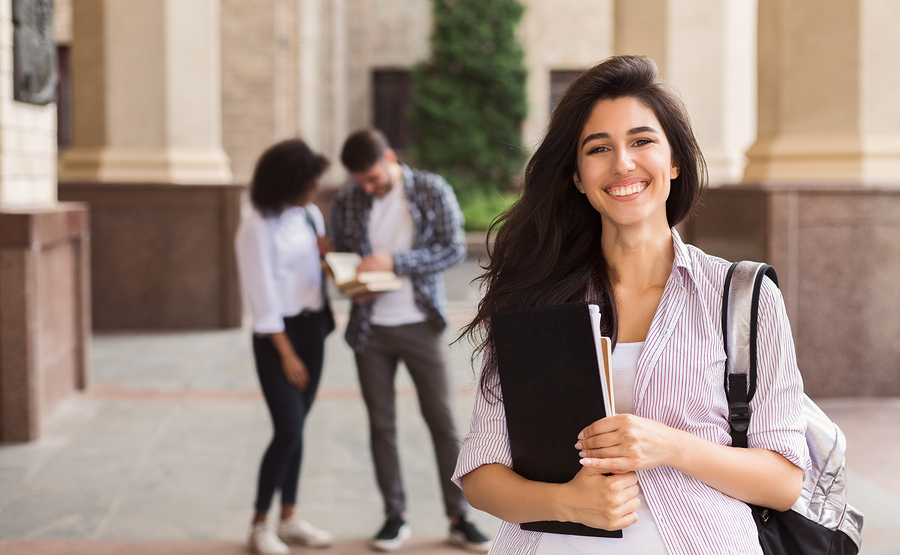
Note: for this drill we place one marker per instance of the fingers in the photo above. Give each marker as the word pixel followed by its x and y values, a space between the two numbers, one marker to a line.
pixel 300 381
pixel 296 374
pixel 607 425
pixel 606 466
pixel 325 246
pixel 607 501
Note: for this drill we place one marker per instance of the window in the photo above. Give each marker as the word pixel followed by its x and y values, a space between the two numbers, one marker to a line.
pixel 559 82
pixel 392 92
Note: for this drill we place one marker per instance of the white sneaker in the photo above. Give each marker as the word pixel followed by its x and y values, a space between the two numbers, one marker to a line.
pixel 297 530
pixel 264 542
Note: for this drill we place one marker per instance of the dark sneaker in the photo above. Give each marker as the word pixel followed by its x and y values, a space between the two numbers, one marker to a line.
pixel 464 534
pixel 392 535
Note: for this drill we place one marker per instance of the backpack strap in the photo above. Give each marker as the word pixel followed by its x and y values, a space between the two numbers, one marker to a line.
pixel 740 305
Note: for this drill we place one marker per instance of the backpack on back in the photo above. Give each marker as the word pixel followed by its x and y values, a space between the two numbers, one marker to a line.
pixel 821 521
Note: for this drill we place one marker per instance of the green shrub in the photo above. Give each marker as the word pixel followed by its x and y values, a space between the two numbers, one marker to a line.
pixel 469 98
pixel 480 208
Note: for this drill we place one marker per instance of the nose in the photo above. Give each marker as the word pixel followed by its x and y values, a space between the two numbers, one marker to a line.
pixel 624 163
pixel 369 186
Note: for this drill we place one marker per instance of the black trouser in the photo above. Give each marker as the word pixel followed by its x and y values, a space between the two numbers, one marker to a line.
pixel 288 406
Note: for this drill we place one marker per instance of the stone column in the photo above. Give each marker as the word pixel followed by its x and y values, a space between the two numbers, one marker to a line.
pixel 828 76
pixel 147 93
pixel 821 194
pixel 147 156
pixel 706 49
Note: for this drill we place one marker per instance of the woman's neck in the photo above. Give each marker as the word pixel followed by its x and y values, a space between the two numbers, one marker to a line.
pixel 638 258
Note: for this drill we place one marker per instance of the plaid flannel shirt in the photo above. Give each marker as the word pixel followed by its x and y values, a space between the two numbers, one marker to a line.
pixel 439 243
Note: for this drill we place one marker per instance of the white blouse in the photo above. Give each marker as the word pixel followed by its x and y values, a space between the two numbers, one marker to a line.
pixel 278 264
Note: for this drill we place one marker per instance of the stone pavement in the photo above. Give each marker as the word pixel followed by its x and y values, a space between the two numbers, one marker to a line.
pixel 160 455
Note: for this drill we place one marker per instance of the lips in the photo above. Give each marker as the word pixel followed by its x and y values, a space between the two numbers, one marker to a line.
pixel 626 187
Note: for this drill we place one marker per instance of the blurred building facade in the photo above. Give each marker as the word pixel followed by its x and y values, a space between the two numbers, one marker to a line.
pixel 127 190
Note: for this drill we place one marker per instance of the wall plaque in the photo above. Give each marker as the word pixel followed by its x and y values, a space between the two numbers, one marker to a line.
pixel 34 53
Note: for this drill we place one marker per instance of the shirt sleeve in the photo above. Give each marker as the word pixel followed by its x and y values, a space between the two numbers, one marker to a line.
pixel 318 218
pixel 253 248
pixel 447 245
pixel 777 422
pixel 488 440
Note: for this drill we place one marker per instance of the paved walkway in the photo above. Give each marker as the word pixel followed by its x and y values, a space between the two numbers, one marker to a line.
pixel 160 455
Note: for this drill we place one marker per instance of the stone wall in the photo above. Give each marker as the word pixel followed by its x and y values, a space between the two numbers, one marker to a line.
pixel 837 253
pixel 27 136
pixel 44 313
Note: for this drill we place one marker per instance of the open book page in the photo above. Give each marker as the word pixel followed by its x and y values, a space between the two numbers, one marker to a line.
pixel 342 267
pixel 604 361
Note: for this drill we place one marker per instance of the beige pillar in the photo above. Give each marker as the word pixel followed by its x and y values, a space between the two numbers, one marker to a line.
pixel 146 91
pixel 828 76
pixel 147 157
pixel 821 199
pixel 706 49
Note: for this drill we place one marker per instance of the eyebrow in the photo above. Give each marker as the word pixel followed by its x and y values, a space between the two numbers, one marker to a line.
pixel 632 131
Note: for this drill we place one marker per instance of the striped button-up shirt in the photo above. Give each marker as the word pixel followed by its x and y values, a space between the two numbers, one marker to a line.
pixel 680 383
pixel 439 243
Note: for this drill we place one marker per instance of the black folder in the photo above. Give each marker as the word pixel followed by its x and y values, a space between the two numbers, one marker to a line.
pixel 550 380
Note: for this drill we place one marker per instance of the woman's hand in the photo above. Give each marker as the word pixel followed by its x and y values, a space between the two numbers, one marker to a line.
pixel 626 442
pixel 295 372
pixel 608 502
pixel 294 369
pixel 325 246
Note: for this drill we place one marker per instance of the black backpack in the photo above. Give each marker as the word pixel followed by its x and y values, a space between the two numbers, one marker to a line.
pixel 821 521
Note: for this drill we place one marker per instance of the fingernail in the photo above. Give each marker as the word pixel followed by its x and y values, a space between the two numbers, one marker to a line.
pixel 585 462
pixel 580 435
pixel 579 445
pixel 582 454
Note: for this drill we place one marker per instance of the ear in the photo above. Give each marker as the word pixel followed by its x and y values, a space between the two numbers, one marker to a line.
pixel 577 180
pixel 390 156
pixel 676 171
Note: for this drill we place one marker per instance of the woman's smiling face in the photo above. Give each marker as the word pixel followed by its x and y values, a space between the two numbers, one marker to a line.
pixel 625 163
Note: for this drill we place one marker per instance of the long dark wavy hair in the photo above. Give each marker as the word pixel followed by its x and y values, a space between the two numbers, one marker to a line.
pixel 546 248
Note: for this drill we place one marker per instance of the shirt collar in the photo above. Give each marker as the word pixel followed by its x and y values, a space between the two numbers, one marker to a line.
pixel 408 180
pixel 682 257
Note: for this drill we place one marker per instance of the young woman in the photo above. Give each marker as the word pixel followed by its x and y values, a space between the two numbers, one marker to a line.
pixel 278 250
pixel 618 168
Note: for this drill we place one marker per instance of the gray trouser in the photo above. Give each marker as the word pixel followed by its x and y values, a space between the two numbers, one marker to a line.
pixel 421 348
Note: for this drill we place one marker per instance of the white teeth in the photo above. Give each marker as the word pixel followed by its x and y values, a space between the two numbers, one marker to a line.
pixel 625 191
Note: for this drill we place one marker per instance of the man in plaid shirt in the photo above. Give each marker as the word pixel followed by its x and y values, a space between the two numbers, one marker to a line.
pixel 409 222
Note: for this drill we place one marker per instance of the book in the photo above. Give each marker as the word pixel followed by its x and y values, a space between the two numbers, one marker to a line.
pixel 556 379
pixel 341 266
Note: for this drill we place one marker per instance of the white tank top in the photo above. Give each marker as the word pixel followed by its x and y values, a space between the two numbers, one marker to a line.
pixel 641 537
